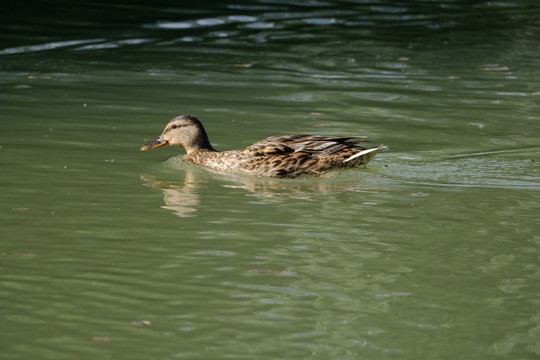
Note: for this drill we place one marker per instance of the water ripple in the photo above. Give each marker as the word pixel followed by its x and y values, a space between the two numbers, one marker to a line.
pixel 113 44
pixel 198 23
pixel 46 46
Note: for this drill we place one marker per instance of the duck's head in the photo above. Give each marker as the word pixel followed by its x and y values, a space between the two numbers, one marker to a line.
pixel 185 131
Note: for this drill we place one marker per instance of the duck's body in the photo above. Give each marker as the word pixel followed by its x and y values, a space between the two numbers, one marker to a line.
pixel 276 156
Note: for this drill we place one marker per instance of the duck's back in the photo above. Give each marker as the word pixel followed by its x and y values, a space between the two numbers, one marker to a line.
pixel 290 156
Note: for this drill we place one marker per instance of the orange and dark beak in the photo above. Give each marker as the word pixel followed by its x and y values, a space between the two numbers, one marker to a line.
pixel 155 144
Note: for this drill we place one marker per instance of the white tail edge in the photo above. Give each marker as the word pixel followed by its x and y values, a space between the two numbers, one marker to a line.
pixel 367 151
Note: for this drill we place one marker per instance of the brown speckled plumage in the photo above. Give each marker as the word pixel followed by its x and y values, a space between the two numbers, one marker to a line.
pixel 276 156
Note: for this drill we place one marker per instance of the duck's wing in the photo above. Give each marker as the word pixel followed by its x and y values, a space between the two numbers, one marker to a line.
pixel 274 145
pixel 313 145
pixel 295 155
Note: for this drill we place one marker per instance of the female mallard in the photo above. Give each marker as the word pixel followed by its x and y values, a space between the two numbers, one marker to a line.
pixel 276 156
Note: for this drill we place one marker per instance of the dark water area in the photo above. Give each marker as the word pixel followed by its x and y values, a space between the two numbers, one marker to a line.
pixel 430 252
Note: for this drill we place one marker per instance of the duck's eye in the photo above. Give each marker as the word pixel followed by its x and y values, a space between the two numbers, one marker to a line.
pixel 174 126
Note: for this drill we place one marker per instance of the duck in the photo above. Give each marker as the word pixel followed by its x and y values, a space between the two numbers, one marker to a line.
pixel 279 156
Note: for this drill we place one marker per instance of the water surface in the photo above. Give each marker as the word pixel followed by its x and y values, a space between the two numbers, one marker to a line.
pixel 430 252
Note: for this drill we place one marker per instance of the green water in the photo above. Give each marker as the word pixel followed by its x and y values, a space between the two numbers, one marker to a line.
pixel 432 252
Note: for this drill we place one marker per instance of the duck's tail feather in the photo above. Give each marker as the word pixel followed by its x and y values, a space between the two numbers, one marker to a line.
pixel 367 151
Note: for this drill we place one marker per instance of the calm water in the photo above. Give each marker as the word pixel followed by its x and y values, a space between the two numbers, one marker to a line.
pixel 432 252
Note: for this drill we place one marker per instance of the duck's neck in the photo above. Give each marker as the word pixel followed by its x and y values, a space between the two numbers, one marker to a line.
pixel 199 146
pixel 200 150
pixel 199 143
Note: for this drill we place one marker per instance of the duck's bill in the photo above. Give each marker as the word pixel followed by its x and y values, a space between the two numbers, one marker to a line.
pixel 154 144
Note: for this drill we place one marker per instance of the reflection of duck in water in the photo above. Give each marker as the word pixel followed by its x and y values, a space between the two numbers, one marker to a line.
pixel 276 156
pixel 184 195
pixel 181 198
